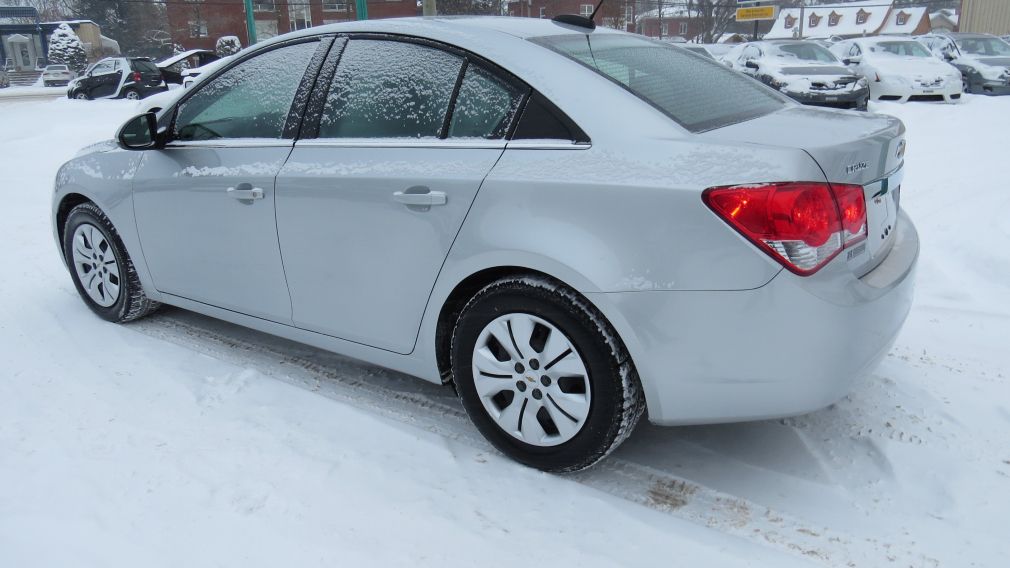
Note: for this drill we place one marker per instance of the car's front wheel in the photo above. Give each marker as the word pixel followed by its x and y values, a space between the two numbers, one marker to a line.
pixel 102 272
pixel 81 96
pixel 543 376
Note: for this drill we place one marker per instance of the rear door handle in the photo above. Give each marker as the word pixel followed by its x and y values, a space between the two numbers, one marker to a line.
pixel 414 196
pixel 245 193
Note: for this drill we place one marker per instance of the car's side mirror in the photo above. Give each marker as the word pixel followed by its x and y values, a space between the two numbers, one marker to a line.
pixel 751 64
pixel 948 56
pixel 854 60
pixel 141 133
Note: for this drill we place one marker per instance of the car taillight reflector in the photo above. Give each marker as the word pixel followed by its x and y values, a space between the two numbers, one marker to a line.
pixel 802 225
pixel 136 76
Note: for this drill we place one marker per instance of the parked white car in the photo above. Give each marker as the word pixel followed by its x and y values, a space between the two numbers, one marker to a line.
pixel 57 76
pixel 900 69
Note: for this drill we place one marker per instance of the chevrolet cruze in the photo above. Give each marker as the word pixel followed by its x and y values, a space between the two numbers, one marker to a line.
pixel 573 226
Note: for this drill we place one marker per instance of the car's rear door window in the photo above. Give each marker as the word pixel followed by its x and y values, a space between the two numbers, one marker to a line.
pixel 390 89
pixel 250 100
pixel 485 105
pixel 145 66
pixel 698 94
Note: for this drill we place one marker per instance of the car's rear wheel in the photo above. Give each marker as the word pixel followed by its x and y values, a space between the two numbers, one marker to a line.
pixel 542 374
pixel 101 270
pixel 131 94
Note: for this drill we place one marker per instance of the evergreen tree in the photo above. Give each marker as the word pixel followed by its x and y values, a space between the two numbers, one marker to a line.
pixel 66 48
pixel 228 45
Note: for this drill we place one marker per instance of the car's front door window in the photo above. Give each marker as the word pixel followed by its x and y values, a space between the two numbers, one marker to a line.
pixel 250 100
pixel 390 89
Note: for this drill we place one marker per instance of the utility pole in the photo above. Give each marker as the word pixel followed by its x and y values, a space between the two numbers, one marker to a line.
pixel 250 22
pixel 660 19
pixel 361 9
pixel 428 8
pixel 803 12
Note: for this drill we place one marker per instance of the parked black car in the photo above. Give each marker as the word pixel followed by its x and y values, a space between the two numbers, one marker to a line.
pixel 118 77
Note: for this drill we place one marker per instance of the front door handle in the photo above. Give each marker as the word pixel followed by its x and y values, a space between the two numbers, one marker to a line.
pixel 420 196
pixel 246 192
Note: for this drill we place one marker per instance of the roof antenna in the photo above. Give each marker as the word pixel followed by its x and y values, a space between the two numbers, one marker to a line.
pixel 579 20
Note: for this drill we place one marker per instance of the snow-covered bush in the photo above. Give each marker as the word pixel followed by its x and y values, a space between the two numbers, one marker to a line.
pixel 182 65
pixel 228 45
pixel 66 48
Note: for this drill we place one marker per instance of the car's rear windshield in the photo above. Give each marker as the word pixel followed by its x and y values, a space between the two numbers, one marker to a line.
pixel 699 94
pixel 145 66
pixel 57 68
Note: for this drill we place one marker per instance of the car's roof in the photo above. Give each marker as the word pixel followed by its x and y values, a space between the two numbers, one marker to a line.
pixel 522 28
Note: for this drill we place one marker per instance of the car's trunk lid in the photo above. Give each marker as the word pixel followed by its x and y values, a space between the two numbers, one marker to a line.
pixel 852 148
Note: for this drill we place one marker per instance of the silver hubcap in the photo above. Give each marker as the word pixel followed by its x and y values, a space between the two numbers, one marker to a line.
pixel 132 95
pixel 81 96
pixel 96 265
pixel 531 380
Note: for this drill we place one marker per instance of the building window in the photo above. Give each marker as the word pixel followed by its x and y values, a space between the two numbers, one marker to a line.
pixel 862 16
pixel 814 20
pixel 299 16
pixel 683 28
pixel 790 22
pixel 198 28
pixel 834 18
pixel 903 17
pixel 629 13
pixel 543 12
pixel 586 9
pixel 264 6
pixel 664 29
pixel 334 7
pixel 265 29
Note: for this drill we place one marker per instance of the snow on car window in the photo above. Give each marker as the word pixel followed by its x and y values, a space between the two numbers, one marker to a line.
pixel 988 46
pixel 807 52
pixel 485 105
pixel 903 48
pixel 389 89
pixel 696 93
pixel 250 100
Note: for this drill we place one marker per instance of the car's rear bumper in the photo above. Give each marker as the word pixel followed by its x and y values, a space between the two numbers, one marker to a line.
pixel 992 88
pixel 791 346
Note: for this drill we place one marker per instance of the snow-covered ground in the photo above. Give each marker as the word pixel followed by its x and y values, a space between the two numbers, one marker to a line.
pixel 179 440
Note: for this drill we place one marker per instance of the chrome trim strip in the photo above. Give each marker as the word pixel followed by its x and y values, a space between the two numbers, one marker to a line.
pixel 397 143
pixel 233 143
pixel 546 145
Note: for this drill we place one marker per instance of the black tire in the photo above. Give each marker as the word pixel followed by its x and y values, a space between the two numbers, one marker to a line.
pixel 128 92
pixel 617 402
pixel 132 303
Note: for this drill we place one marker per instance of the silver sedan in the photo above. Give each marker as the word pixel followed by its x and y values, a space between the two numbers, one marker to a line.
pixel 573 226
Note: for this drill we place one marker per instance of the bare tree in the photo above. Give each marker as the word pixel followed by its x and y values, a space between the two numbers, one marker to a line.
pixel 714 17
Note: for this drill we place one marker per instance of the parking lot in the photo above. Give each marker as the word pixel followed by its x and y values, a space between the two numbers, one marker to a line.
pixel 183 432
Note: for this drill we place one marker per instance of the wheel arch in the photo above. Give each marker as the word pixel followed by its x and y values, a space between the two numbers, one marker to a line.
pixel 467 287
pixel 67 203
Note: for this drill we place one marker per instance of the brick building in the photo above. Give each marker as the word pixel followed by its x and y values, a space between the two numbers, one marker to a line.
pixel 674 21
pixel 619 14
pixel 195 24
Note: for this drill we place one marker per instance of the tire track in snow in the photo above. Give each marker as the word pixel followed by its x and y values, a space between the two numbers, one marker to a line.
pixel 436 409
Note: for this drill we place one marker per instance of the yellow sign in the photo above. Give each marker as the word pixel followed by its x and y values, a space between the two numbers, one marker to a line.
pixel 755 13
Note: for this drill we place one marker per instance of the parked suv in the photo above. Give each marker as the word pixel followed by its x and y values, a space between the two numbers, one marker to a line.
pixel 118 77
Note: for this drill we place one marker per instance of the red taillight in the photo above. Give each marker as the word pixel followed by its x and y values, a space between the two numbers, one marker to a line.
pixel 802 225
pixel 136 76
pixel 852 208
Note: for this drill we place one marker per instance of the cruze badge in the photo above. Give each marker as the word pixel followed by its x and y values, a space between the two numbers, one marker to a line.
pixel 853 168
